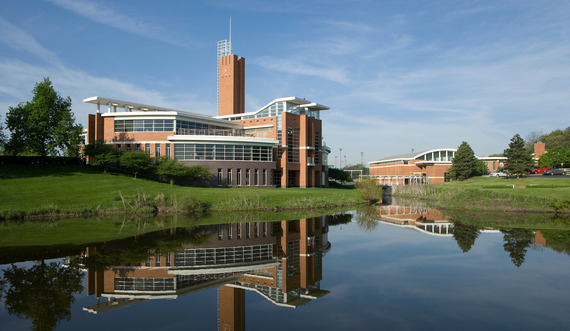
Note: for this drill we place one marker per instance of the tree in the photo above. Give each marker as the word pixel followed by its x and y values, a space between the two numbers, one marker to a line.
pixel 555 157
pixel 519 159
pixel 102 155
pixel 533 138
pixel 557 138
pixel 135 161
pixel 42 293
pixel 45 125
pixel 338 174
pixel 465 235
pixel 369 190
pixel 171 169
pixel 464 164
pixel 516 243
pixel 2 138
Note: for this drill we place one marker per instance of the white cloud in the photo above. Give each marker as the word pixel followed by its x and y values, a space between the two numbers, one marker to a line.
pixel 108 16
pixel 334 74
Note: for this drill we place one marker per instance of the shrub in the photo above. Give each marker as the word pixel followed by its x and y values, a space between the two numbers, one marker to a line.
pixel 369 190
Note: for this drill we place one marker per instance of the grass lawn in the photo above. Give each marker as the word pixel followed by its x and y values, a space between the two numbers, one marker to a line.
pixel 544 187
pixel 32 189
pixel 497 194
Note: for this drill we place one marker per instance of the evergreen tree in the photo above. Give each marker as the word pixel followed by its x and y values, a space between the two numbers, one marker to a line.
pixel 464 165
pixel 519 160
pixel 465 235
pixel 45 125
pixel 516 243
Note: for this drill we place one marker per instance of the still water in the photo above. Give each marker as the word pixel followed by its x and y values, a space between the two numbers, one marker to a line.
pixel 389 267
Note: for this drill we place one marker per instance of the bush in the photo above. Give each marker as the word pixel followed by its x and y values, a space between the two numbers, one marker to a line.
pixel 369 190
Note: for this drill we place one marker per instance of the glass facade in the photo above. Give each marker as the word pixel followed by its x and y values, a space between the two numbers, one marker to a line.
pixel 222 152
pixel 144 125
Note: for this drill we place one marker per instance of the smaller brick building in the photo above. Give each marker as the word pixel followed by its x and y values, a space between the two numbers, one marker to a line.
pixel 428 167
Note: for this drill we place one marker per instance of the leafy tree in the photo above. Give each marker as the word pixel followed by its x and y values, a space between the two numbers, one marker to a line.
pixel 135 161
pixel 531 139
pixel 465 164
pixel 2 138
pixel 199 171
pixel 519 159
pixel 465 235
pixel 555 157
pixel 341 175
pixel 171 169
pixel 516 243
pixel 369 190
pixel 101 154
pixel 45 125
pixel 42 293
pixel 557 138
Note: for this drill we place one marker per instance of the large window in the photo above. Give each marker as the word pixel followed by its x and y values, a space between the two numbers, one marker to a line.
pixel 144 125
pixel 221 152
pixel 292 144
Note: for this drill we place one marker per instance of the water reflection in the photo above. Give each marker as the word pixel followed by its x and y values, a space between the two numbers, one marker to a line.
pixel 466 228
pixel 282 261
pixel 42 293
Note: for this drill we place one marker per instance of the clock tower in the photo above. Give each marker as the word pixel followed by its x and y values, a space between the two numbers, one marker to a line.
pixel 231 85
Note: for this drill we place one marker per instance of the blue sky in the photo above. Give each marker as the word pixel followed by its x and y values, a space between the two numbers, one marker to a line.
pixel 397 75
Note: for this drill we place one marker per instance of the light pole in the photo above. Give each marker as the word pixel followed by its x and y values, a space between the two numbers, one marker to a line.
pixel 340 165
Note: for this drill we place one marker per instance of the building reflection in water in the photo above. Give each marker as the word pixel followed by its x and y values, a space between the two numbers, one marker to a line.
pixel 426 220
pixel 282 261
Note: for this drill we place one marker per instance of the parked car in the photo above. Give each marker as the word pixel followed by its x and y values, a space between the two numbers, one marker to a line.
pixel 554 172
pixel 498 174
pixel 537 170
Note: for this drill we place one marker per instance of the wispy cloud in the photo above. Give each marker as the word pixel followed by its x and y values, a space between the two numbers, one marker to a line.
pixel 20 40
pixel 334 74
pixel 99 13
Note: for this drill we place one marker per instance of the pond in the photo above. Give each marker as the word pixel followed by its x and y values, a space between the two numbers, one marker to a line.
pixel 392 267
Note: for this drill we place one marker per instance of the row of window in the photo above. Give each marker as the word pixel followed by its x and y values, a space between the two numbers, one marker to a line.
pixel 157 125
pixel 122 126
pixel 252 177
pixel 222 152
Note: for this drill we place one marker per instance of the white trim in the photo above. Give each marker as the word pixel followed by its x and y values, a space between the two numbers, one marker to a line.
pixel 258 127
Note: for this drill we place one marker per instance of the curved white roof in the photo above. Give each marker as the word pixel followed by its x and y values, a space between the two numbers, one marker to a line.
pixel 411 156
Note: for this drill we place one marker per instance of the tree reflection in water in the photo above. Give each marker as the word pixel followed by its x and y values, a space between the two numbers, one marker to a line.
pixel 516 243
pixel 465 235
pixel 42 293
pixel 368 217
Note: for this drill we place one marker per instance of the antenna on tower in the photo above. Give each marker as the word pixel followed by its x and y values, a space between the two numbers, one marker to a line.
pixel 230 29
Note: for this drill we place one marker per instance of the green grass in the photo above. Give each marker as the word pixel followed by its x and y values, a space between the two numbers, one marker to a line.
pixel 497 194
pixel 51 190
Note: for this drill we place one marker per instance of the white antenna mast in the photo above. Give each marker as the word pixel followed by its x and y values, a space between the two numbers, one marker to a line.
pixel 230 29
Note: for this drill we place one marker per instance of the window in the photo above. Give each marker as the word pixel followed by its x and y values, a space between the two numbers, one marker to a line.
pixel 229 179
pixel 129 147
pixel 138 147
pixel 147 148
pixel 168 151
pixel 292 145
pixel 157 150
pixel 255 177
pixel 238 177
pixel 221 152
pixel 264 178
pixel 157 260
pixel 246 176
pixel 220 177
pixel 144 125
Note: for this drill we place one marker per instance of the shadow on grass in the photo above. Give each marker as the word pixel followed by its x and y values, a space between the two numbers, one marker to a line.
pixel 14 171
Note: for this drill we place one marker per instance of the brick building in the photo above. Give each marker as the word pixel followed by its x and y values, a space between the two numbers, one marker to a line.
pixel 428 167
pixel 278 145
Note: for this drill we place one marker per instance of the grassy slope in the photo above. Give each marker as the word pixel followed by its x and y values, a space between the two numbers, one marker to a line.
pixel 83 188
pixel 498 194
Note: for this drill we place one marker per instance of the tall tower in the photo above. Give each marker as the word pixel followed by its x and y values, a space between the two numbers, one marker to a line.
pixel 231 79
